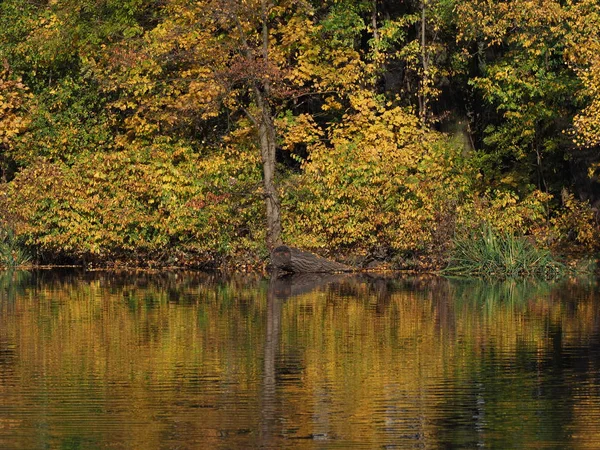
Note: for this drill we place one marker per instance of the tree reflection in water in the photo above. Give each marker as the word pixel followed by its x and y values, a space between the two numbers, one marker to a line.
pixel 184 360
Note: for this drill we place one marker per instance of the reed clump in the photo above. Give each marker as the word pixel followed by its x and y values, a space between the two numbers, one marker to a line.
pixel 12 253
pixel 486 253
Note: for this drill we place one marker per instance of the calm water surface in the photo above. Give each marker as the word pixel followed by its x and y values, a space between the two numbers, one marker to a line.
pixel 97 360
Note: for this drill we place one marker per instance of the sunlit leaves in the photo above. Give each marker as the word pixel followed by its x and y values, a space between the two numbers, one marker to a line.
pixel 520 53
pixel 583 55
pixel 108 205
pixel 381 181
pixel 13 116
pixel 117 97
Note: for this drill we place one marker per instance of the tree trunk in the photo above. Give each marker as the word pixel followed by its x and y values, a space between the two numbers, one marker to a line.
pixel 266 134
pixel 374 20
pixel 268 146
pixel 265 127
pixel 425 63
pixel 289 259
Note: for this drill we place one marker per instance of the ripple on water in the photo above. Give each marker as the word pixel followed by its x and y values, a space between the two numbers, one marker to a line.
pixel 141 362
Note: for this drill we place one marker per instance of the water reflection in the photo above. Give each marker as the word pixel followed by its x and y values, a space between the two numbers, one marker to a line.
pixel 96 360
pixel 271 347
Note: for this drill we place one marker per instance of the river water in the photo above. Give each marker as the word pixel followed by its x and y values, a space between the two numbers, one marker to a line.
pixel 146 361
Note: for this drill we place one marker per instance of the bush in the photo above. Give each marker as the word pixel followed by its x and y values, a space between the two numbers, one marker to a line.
pixel 574 226
pixel 381 181
pixel 156 203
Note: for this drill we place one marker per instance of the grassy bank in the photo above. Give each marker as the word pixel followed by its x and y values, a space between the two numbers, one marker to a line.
pixel 487 254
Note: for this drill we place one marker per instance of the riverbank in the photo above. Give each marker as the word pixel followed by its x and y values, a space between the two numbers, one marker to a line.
pixel 573 264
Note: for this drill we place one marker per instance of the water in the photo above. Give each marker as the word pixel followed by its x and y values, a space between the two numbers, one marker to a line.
pixel 174 361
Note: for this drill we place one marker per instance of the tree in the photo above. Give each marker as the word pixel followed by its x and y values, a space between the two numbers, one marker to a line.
pixel 46 45
pixel 242 64
pixel 525 86
pixel 582 55
pixel 204 60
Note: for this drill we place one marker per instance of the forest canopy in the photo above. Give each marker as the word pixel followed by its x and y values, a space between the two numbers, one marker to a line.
pixel 196 133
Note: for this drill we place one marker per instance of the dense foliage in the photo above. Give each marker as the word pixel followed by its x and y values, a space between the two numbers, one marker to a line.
pixel 179 132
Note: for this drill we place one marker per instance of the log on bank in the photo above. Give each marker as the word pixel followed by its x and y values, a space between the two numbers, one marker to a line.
pixel 290 259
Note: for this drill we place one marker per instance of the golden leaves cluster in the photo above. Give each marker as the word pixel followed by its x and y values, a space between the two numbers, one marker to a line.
pixel 377 178
pixel 14 117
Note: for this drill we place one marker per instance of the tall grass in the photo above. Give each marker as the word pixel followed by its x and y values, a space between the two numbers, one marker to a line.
pixel 12 254
pixel 488 254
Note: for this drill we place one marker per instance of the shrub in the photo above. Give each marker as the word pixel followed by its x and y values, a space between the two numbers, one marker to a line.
pixel 574 225
pixel 146 203
pixel 378 180
pixel 506 211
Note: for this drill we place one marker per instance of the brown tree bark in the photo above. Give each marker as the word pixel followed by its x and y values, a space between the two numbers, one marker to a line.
pixel 289 259
pixel 268 143
pixel 266 134
pixel 263 120
pixel 425 62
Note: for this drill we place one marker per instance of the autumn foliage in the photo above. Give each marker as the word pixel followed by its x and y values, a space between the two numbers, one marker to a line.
pixel 180 132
